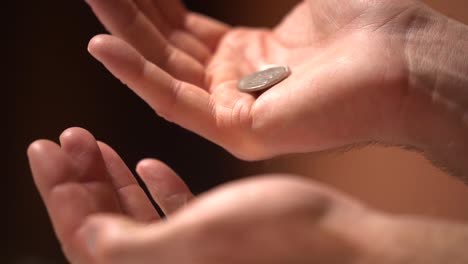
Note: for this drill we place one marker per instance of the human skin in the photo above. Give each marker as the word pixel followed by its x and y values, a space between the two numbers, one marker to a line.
pixel 361 71
pixel 101 215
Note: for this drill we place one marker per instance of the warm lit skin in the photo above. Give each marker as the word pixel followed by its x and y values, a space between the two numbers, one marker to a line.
pixel 359 74
pixel 336 66
pixel 356 69
pixel 101 216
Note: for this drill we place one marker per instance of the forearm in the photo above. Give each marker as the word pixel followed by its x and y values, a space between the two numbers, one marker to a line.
pixel 436 110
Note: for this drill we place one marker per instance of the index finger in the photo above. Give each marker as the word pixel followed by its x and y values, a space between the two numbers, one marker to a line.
pixel 68 203
pixel 180 102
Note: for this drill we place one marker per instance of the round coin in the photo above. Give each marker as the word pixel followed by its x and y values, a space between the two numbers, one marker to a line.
pixel 264 79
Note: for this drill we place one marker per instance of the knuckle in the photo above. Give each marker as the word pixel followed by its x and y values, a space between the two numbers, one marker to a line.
pixel 108 248
pixel 168 109
pixel 295 195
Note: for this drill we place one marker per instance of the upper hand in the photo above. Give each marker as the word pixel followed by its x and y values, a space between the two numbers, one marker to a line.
pixel 101 215
pixel 347 59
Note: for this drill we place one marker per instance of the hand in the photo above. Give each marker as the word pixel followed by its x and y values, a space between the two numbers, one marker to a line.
pixel 102 216
pixel 348 83
pixel 82 178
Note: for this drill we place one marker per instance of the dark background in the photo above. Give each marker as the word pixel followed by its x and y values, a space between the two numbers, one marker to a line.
pixel 51 83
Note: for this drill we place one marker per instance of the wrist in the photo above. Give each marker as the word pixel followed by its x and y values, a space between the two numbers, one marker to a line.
pixel 434 114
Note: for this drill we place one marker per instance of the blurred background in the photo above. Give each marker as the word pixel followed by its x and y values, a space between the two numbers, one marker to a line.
pixel 52 84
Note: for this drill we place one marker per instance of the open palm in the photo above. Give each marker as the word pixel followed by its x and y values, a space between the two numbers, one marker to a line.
pixel 347 60
pixel 82 178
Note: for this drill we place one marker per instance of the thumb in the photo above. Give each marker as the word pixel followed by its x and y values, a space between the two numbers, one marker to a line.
pixel 119 240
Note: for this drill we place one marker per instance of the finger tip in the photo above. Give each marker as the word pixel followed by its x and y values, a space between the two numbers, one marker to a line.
pixel 117 55
pixel 42 156
pixel 151 169
pixel 39 146
pixel 106 45
pixel 73 133
pixel 145 165
pixel 104 146
pixel 108 152
pixel 98 42
pixel 76 137
pixel 145 162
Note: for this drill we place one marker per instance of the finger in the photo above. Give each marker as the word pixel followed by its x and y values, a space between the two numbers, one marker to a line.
pixel 123 19
pixel 207 30
pixel 82 148
pixel 190 45
pixel 225 69
pixel 179 102
pixel 107 239
pixel 265 209
pixel 49 165
pixel 133 200
pixel 174 33
pixel 92 178
pixel 68 203
pixel 168 190
pixel 174 11
pixel 200 29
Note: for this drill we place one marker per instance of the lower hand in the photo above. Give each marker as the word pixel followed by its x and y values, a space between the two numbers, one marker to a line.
pixel 101 215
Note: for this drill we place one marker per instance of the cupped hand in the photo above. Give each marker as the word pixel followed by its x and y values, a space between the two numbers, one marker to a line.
pixel 348 81
pixel 101 215
pixel 81 178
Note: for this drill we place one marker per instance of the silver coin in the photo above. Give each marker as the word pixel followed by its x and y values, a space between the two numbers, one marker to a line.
pixel 264 79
